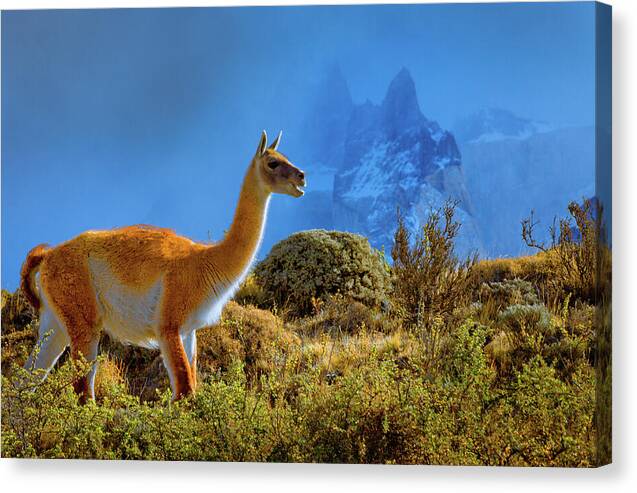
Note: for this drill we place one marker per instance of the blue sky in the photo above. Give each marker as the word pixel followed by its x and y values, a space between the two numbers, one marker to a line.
pixel 116 117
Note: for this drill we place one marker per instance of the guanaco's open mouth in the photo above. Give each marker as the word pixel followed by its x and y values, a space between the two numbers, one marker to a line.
pixel 299 188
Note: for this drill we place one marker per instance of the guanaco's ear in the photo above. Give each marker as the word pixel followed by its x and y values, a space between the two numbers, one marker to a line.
pixel 262 144
pixel 275 145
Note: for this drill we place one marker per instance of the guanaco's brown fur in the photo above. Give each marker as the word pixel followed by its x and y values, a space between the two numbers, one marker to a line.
pixel 147 285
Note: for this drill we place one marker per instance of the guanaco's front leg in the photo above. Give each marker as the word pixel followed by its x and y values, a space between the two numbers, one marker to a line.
pixel 176 361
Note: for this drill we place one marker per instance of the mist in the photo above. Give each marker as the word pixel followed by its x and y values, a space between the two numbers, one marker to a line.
pixel 117 117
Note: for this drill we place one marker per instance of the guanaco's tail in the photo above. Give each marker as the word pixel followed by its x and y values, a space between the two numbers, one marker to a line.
pixel 27 275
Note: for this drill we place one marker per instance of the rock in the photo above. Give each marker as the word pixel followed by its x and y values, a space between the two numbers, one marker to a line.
pixel 514 166
pixel 394 158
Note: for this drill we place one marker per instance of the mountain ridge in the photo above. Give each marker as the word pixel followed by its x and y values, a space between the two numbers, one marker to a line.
pixel 396 158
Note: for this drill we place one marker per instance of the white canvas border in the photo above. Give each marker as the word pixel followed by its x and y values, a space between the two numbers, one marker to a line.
pixel 53 476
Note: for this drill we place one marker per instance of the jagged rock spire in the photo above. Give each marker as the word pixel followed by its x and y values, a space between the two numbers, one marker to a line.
pixel 326 124
pixel 400 107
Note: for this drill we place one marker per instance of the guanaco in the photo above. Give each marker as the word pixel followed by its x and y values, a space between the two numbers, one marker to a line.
pixel 148 286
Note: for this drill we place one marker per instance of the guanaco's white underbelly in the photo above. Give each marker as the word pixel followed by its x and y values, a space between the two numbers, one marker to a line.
pixel 132 316
pixel 128 315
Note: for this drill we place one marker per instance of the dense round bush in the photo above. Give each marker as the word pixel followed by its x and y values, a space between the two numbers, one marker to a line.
pixel 316 264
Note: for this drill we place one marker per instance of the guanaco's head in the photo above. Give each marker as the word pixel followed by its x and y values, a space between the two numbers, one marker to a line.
pixel 277 173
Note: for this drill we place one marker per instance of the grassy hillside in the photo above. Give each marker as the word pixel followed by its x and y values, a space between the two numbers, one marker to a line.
pixel 449 362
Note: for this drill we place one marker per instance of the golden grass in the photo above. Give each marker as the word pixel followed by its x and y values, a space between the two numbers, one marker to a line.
pixel 530 267
pixel 246 333
pixel 110 373
pixel 341 315
pixel 251 293
pixel 339 353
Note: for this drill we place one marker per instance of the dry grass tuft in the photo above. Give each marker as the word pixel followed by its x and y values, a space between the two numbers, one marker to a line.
pixel 342 315
pixel 251 293
pixel 246 333
pixel 110 373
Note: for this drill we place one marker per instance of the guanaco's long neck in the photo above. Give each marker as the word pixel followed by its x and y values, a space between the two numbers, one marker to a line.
pixel 240 244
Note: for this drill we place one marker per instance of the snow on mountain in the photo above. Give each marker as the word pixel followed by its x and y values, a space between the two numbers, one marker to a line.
pixel 394 158
pixel 364 161
pixel 494 124
pixel 534 168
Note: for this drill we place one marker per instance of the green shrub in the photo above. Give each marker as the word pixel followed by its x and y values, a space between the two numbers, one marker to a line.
pixel 247 334
pixel 341 315
pixel 44 419
pixel 526 318
pixel 316 264
pixel 523 332
pixel 542 420
pixel 430 281
pixel 509 292
pixel 376 411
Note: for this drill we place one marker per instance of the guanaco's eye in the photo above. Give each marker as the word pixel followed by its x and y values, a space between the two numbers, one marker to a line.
pixel 273 164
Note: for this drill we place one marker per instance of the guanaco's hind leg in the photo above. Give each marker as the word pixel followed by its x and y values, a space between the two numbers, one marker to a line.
pixel 190 346
pixel 65 279
pixel 52 341
pixel 85 385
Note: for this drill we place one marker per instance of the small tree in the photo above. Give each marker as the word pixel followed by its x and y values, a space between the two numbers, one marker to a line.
pixel 429 279
pixel 574 250
pixel 581 264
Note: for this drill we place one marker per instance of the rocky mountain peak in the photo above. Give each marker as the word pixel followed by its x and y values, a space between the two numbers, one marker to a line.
pixel 395 157
pixel 493 124
pixel 326 123
pixel 400 107
pixel 334 92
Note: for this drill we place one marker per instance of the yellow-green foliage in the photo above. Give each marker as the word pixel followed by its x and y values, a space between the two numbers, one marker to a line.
pixel 251 293
pixel 336 396
pixel 315 264
pixel 379 410
pixel 246 334
pixel 502 373
pixel 342 315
